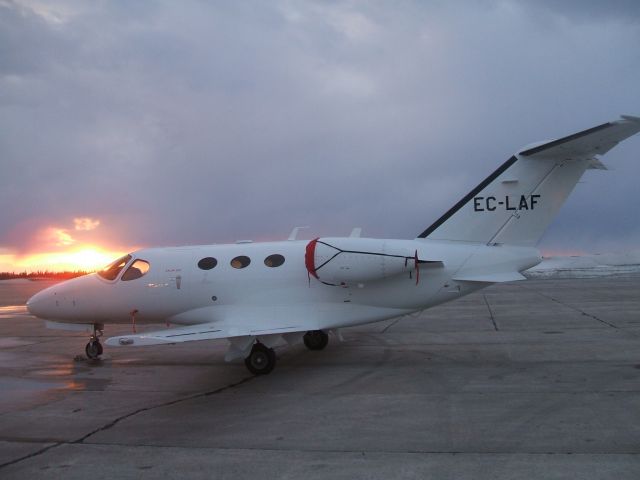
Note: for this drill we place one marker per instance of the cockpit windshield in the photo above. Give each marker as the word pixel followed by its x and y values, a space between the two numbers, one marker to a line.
pixel 111 271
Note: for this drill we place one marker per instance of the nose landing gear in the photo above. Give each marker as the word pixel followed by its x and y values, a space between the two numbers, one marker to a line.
pixel 94 347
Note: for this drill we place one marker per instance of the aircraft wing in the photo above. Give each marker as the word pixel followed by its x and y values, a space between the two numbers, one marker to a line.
pixel 236 323
pixel 594 141
pixel 203 331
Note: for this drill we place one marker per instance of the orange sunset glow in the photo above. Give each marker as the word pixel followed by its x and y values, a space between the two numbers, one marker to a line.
pixel 86 258
pixel 75 247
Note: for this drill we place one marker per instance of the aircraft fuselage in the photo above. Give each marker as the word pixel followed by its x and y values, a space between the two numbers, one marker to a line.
pixel 178 291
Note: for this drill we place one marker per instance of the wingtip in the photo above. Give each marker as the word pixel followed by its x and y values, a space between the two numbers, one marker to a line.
pixel 630 118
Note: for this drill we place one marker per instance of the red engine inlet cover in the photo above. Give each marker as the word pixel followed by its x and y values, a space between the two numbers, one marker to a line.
pixel 309 257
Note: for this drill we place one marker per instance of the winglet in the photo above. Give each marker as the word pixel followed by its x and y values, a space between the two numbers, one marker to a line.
pixel 631 118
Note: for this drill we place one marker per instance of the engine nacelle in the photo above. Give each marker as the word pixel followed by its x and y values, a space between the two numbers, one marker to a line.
pixel 342 261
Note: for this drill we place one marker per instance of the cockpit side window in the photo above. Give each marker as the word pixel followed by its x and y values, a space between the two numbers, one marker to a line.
pixel 111 271
pixel 137 269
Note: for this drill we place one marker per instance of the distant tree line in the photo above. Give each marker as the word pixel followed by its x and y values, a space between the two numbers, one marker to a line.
pixel 43 274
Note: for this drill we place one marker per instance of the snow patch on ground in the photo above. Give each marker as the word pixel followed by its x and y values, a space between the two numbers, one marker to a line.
pixel 587 266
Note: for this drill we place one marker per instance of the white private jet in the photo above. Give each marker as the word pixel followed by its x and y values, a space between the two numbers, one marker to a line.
pixel 261 295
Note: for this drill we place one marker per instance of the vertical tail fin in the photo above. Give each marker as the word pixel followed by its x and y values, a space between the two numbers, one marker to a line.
pixel 516 203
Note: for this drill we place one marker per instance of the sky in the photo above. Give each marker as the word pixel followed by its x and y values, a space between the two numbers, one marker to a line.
pixel 131 124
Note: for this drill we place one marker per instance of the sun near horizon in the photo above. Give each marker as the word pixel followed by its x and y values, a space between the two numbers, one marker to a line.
pixel 66 246
pixel 86 258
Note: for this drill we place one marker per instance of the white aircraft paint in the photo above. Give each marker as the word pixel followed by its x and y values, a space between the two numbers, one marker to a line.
pixel 296 290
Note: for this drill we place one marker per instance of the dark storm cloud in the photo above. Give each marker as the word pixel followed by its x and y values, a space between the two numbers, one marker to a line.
pixel 191 122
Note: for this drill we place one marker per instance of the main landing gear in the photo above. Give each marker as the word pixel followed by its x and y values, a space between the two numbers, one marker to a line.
pixel 94 347
pixel 261 360
pixel 316 339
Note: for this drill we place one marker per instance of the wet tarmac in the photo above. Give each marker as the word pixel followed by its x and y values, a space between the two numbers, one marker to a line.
pixel 536 379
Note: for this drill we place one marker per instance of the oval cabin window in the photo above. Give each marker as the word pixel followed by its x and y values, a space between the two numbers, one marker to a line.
pixel 274 260
pixel 207 263
pixel 240 262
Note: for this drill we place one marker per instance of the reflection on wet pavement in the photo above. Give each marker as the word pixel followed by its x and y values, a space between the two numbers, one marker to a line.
pixel 21 390
pixel 75 375
pixel 28 380
pixel 11 311
pixel 10 342
pixel 40 385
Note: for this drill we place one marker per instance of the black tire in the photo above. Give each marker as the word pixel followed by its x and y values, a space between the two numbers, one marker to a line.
pixel 261 360
pixel 93 350
pixel 272 356
pixel 316 340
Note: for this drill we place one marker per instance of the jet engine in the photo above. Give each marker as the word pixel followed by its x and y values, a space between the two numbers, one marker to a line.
pixel 343 261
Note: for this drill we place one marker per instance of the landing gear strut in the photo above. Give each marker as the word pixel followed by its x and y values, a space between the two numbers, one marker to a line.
pixel 315 339
pixel 261 360
pixel 94 347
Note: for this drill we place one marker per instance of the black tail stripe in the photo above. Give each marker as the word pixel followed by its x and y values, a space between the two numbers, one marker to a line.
pixel 468 197
pixel 560 141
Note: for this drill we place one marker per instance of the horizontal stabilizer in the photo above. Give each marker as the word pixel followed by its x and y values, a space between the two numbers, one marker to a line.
pixel 593 141
pixel 490 277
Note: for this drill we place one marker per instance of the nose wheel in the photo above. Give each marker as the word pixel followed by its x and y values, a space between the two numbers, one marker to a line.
pixel 94 347
pixel 261 360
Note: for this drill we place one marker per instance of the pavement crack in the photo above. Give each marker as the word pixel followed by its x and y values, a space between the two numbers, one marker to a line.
pixel 124 417
pixel 384 330
pixel 586 314
pixel 493 320
pixel 160 405
pixel 31 455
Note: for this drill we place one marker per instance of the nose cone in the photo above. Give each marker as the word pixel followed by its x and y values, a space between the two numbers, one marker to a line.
pixel 72 301
pixel 40 305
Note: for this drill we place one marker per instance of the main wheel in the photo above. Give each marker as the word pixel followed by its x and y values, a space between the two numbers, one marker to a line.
pixel 261 360
pixel 93 349
pixel 315 339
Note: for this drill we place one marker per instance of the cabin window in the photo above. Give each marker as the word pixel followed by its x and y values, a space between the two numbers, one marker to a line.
pixel 240 262
pixel 207 263
pixel 111 271
pixel 274 260
pixel 136 270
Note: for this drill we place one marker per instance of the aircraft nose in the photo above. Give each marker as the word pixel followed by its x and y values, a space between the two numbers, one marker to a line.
pixel 73 300
pixel 39 303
